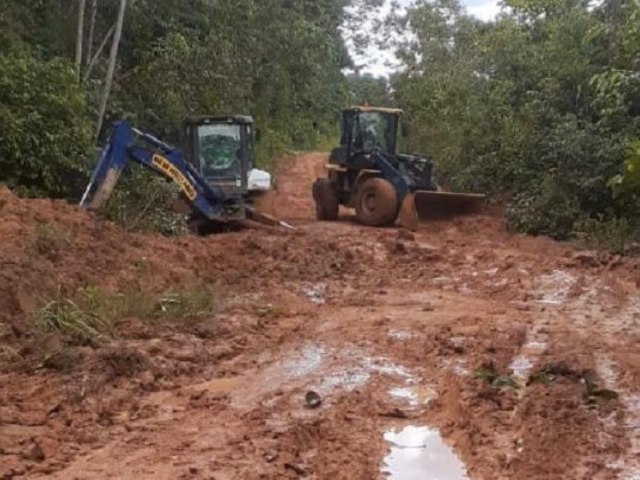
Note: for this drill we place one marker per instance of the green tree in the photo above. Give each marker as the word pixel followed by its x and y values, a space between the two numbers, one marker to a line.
pixel 45 133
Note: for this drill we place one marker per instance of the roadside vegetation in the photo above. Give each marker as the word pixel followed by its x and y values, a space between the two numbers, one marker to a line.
pixel 541 106
pixel 91 315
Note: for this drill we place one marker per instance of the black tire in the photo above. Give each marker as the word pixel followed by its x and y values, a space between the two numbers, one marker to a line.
pixel 326 200
pixel 376 202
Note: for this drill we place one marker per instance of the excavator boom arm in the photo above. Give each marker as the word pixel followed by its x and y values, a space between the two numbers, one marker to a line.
pixel 123 146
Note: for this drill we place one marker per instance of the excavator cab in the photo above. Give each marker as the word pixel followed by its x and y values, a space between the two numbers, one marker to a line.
pixel 220 148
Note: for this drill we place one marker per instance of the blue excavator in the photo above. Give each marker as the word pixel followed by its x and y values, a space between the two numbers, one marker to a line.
pixel 216 177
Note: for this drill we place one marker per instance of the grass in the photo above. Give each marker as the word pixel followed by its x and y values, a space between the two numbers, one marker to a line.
pixel 615 235
pixel 69 318
pixel 91 316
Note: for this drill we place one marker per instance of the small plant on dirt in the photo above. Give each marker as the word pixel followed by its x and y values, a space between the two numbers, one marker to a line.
pixel 489 374
pixel 92 314
pixel 66 317
pixel 190 303
pixel 548 374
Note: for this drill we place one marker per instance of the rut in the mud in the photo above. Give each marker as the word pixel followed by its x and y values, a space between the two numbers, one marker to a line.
pixel 457 349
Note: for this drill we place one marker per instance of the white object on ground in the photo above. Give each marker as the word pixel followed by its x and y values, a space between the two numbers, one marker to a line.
pixel 259 180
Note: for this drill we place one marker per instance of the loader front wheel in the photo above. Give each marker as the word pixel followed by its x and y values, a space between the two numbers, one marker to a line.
pixel 376 202
pixel 326 200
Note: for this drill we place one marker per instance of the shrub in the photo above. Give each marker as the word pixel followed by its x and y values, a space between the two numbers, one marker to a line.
pixel 45 133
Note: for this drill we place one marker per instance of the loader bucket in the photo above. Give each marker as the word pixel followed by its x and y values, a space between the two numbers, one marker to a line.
pixel 444 205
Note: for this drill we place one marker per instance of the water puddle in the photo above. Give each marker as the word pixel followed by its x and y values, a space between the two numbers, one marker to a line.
pixel 628 466
pixel 400 335
pixel 323 369
pixel 304 363
pixel 522 364
pixel 414 396
pixel 316 293
pixel 553 288
pixel 354 376
pixel 419 453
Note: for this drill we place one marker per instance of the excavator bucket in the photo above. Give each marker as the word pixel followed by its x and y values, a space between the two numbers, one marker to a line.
pixel 102 192
pixel 445 205
pixel 266 219
pixel 106 173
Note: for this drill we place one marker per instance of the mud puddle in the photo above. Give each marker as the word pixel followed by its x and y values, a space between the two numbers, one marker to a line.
pixel 553 288
pixel 534 345
pixel 419 453
pixel 415 396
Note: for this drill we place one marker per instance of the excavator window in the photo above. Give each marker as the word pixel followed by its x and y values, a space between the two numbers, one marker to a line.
pixel 219 149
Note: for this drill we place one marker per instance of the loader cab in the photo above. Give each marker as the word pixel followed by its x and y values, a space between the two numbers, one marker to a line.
pixel 368 129
pixel 221 149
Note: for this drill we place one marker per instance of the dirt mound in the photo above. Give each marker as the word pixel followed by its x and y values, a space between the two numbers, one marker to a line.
pixel 51 248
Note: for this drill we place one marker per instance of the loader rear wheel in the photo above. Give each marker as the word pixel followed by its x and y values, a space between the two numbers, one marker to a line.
pixel 376 202
pixel 326 200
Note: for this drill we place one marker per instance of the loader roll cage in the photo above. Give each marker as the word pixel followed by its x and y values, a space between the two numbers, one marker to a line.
pixel 369 129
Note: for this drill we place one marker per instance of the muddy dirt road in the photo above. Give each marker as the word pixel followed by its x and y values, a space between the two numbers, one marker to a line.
pixel 457 351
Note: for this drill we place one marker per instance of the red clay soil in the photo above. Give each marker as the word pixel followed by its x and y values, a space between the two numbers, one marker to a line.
pixel 529 349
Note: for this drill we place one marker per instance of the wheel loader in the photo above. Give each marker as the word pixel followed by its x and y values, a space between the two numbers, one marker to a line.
pixel 366 173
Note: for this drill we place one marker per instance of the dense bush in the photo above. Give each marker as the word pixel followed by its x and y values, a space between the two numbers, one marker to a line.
pixel 538 105
pixel 45 133
pixel 277 60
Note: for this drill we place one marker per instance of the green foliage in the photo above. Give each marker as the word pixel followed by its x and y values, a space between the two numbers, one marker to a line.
pixel 44 133
pixel 367 89
pixel 626 185
pixel 536 106
pixel 68 318
pixel 277 60
pixel 144 202
pixel 91 315
pixel 614 234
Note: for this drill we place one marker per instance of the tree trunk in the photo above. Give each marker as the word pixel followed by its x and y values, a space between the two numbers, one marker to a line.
pixel 92 26
pixel 113 56
pixel 93 61
pixel 80 36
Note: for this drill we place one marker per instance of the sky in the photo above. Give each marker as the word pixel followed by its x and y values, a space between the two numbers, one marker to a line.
pixel 380 63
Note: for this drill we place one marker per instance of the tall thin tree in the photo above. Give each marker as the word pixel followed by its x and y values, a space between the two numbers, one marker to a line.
pixel 92 25
pixel 80 36
pixel 113 56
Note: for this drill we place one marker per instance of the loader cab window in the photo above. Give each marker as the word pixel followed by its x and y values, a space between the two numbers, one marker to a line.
pixel 374 131
pixel 219 149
